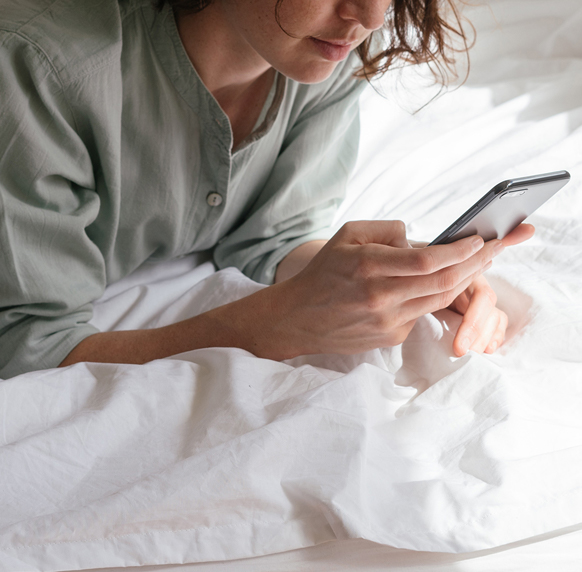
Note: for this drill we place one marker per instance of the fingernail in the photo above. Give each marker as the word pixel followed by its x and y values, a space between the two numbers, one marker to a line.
pixel 477 243
pixel 498 248
pixel 493 347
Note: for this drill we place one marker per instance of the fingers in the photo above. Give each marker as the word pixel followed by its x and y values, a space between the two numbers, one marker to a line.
pixel 499 336
pixel 379 260
pixel 417 307
pixel 483 326
pixel 450 277
pixel 491 335
pixel 385 232
pixel 462 301
pixel 480 319
pixel 367 286
pixel 422 294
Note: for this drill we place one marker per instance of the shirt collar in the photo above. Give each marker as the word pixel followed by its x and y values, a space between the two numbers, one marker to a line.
pixel 172 55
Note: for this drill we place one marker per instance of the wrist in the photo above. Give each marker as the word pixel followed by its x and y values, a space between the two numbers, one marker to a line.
pixel 261 323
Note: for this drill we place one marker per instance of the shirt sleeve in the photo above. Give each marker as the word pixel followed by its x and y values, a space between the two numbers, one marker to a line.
pixel 50 270
pixel 306 184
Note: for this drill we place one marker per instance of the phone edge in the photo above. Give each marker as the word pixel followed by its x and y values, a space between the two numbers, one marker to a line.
pixel 486 199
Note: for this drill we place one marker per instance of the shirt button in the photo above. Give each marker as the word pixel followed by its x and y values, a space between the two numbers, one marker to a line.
pixel 214 199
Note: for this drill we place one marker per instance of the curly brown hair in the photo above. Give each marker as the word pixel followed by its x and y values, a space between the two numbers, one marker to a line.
pixel 415 32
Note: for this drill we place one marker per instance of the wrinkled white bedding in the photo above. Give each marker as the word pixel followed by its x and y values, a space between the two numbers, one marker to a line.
pixel 216 454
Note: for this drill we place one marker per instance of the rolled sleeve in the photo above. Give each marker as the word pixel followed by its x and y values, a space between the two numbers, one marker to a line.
pixel 306 185
pixel 50 269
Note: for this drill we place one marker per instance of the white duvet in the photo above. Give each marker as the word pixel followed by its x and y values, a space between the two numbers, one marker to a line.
pixel 216 454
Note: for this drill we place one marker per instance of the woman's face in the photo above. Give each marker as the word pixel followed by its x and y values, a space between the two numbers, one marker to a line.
pixel 320 33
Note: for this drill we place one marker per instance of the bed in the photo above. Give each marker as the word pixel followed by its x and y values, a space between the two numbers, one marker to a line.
pixel 404 458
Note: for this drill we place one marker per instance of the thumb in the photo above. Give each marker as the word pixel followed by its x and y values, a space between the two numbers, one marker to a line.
pixel 519 234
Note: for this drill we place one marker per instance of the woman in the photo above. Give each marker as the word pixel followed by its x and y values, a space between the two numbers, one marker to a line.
pixel 130 134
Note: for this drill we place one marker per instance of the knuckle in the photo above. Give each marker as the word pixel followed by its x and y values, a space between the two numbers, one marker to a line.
pixel 448 279
pixel 399 226
pixel 446 298
pixel 347 229
pixel 365 267
pixel 386 322
pixel 425 261
pixel 373 297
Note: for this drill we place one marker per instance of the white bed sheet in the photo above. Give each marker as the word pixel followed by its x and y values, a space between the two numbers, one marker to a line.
pixel 560 551
pixel 217 455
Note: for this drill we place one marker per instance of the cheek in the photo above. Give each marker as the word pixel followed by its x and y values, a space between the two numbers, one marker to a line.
pixel 258 18
pixel 288 49
pixel 300 17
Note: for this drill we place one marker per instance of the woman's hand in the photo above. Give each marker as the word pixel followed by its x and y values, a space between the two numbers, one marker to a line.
pixel 484 325
pixel 365 289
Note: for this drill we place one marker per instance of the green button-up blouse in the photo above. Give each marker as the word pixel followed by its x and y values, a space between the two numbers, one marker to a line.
pixel 113 152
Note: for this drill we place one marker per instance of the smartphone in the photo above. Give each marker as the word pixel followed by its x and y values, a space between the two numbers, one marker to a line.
pixel 504 207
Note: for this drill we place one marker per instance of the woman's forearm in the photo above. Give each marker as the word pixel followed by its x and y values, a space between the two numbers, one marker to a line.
pixel 141 346
pixel 246 324
pixel 250 323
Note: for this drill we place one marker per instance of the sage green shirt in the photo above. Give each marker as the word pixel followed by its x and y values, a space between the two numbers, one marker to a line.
pixel 113 152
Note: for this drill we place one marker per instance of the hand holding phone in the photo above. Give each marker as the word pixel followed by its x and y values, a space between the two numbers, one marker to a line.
pixel 497 215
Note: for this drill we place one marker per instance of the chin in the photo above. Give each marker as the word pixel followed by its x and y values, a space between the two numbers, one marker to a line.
pixel 312 73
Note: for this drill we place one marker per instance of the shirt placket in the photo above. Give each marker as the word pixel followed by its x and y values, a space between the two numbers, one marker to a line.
pixel 211 198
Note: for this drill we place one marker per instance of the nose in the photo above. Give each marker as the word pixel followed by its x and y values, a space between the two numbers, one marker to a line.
pixel 368 13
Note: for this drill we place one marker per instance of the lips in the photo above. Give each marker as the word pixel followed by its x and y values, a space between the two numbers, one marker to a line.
pixel 332 50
